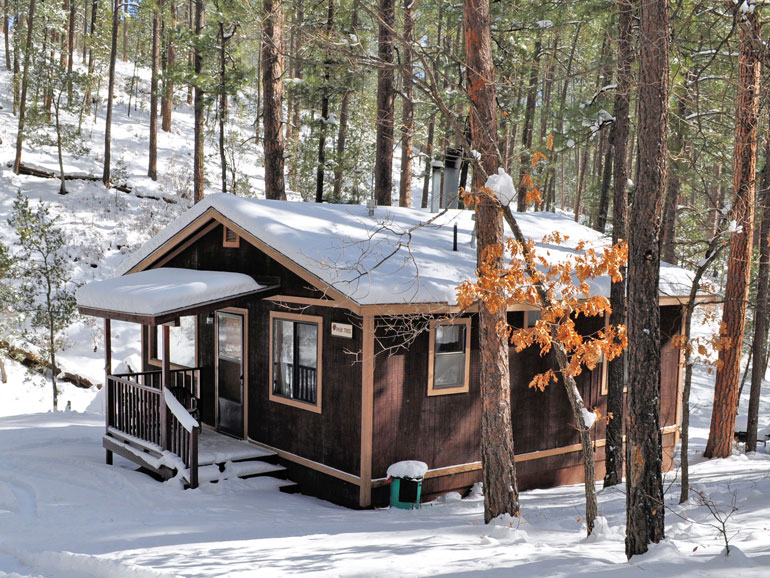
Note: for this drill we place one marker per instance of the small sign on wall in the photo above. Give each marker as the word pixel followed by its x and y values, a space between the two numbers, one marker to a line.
pixel 342 330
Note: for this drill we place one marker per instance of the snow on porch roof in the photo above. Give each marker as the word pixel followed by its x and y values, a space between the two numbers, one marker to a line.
pixel 159 295
pixel 399 256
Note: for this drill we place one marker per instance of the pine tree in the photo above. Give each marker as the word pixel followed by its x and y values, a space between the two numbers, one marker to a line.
pixel 498 468
pixel 720 440
pixel 644 460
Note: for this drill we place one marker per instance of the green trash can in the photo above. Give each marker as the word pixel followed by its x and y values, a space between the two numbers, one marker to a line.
pixel 406 484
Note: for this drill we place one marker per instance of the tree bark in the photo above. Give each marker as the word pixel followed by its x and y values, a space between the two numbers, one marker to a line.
pixel 616 368
pixel 6 31
pixel 760 312
pixel 526 133
pixel 497 463
pixel 272 80
pixel 426 180
pixel 223 102
pixel 152 170
pixel 167 102
pixel 383 166
pixel 407 109
pixel 720 441
pixel 198 152
pixel 111 92
pixel 343 126
pixel 715 247
pixel 320 169
pixel 644 477
pixel 668 240
pixel 24 85
pixel 91 39
pixel 604 194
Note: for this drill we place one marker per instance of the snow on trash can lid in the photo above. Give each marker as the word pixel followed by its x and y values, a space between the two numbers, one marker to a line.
pixel 408 469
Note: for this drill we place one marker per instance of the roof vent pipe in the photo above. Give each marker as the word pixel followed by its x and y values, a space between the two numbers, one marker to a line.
pixel 454 241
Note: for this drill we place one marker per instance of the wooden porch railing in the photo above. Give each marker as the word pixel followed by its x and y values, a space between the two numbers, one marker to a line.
pixel 134 408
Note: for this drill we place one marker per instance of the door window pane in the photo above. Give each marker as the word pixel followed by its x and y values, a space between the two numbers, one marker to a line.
pixel 230 336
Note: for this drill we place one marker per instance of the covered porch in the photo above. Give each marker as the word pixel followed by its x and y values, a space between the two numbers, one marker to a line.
pixel 152 417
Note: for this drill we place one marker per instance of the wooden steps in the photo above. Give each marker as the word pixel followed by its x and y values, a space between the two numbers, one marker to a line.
pixel 220 457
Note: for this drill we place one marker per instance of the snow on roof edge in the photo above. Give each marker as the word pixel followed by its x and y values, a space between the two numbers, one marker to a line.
pixel 323 257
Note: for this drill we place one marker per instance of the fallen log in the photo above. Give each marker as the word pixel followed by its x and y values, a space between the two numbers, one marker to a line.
pixel 35 363
pixel 45 174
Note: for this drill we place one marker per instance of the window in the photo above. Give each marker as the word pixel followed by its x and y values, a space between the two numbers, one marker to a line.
pixel 295 360
pixel 449 357
pixel 230 238
pixel 181 343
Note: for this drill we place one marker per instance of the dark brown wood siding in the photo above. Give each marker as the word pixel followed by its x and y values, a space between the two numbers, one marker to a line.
pixel 333 437
pixel 439 430
pixel 444 430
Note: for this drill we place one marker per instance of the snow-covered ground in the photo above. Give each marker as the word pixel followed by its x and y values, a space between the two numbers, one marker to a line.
pixel 65 514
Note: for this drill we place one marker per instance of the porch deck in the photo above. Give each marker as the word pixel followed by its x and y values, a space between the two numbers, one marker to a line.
pixel 217 448
pixel 147 425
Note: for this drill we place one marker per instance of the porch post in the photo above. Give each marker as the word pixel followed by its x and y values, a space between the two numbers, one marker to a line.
pixel 110 402
pixel 165 378
pixel 367 411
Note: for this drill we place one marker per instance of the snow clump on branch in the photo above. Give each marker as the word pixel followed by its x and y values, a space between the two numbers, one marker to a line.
pixel 501 185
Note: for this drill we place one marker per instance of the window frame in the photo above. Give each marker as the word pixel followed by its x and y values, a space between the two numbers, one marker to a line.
pixel 310 319
pixel 432 390
pixel 154 345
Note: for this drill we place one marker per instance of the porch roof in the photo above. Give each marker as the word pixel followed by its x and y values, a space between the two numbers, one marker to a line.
pixel 157 296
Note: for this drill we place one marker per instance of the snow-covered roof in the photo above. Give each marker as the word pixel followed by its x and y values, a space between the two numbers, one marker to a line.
pixel 397 256
pixel 164 291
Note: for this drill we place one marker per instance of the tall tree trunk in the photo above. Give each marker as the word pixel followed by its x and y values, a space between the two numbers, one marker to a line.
pixel 668 233
pixel 644 460
pixel 91 40
pixel 24 85
pixel 222 102
pixel 615 369
pixel 167 102
pixel 272 81
pixel 63 54
pixel 320 169
pixel 16 60
pixel 497 463
pixel 152 171
pixel 720 441
pixel 343 126
pixel 111 92
pixel 407 109
pixel 760 312
pixel 529 122
pixel 383 166
pixel 715 247
pixel 583 165
pixel 604 193
pixel 6 31
pixel 84 33
pixel 294 105
pixel 73 7
pixel 426 181
pixel 124 18
pixel 198 159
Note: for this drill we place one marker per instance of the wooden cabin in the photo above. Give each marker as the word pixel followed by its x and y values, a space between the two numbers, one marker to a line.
pixel 330 339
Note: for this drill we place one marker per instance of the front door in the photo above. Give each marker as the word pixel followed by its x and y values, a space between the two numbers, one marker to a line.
pixel 230 373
